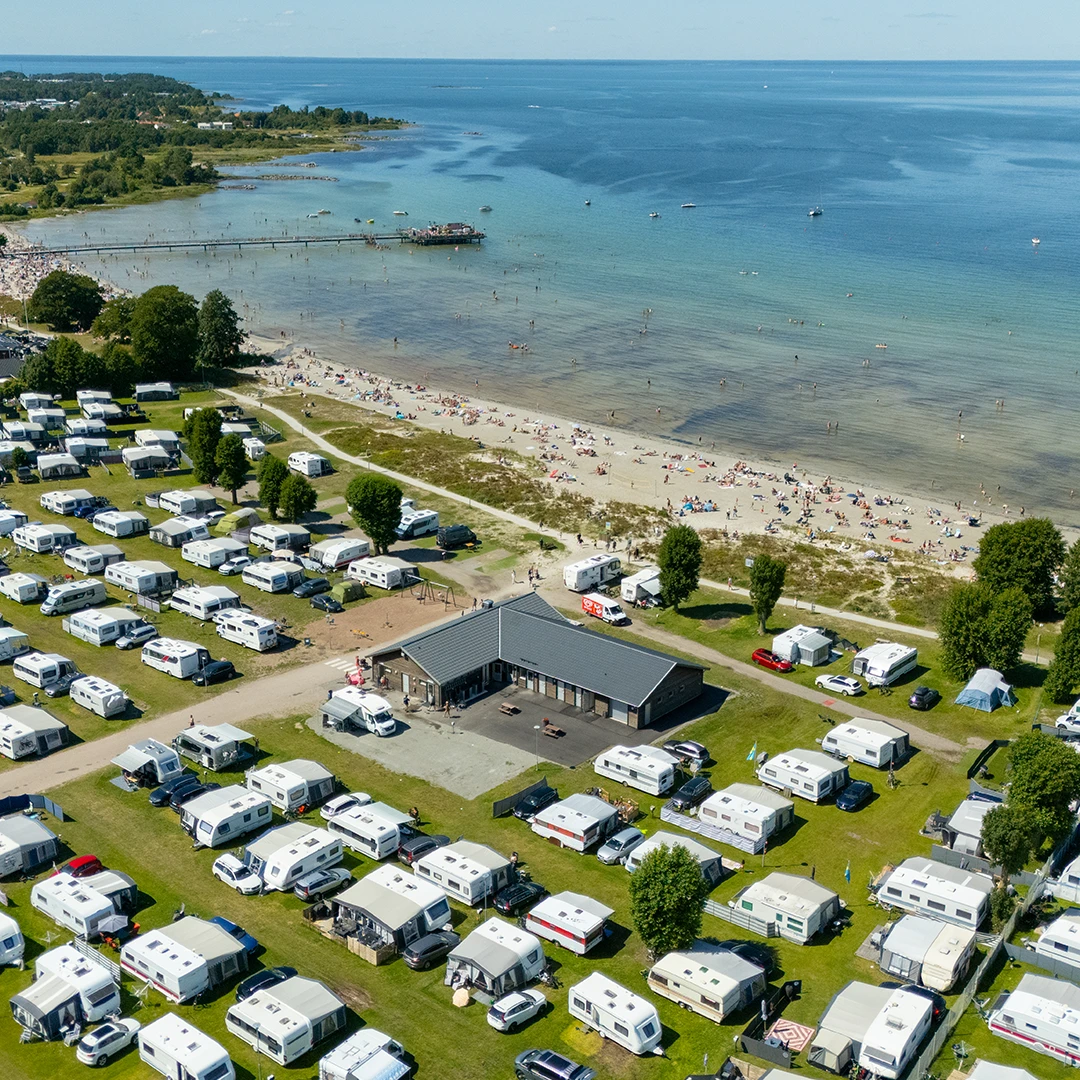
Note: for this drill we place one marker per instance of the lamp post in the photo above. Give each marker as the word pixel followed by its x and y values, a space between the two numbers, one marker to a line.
pixel 536 741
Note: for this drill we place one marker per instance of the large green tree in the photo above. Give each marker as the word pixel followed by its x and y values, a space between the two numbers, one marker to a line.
pixel 375 504
pixel 114 322
pixel 220 336
pixel 666 895
pixel 165 333
pixel 1022 554
pixel 1070 580
pixel 202 433
pixel 679 560
pixel 1064 675
pixel 232 464
pixel 766 585
pixel 121 371
pixel 980 628
pixel 298 497
pixel 65 301
pixel 1045 782
pixel 1008 838
pixel 271 474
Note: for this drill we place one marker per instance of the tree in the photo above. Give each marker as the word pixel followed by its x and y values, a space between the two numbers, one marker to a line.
pixel 1007 625
pixel 165 333
pixel 220 336
pixel 232 464
pixel 666 894
pixel 114 322
pixel 1024 554
pixel 766 584
pixel 375 504
pixel 1008 838
pixel 19 458
pixel 298 497
pixel 1070 580
pixel 980 629
pixel 272 473
pixel 679 559
pixel 1064 674
pixel 65 301
pixel 1045 782
pixel 202 432
pixel 120 369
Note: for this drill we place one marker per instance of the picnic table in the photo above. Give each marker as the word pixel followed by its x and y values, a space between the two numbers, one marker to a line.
pixel 551 729
pixel 508 710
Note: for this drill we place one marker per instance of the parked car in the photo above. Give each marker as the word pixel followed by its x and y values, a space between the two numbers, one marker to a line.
pixel 137 634
pixel 547 1065
pixel 514 1009
pixel 161 795
pixel 854 795
pixel 429 950
pixel 238 932
pixel 756 953
pixel 620 845
pixel 766 658
pixel 687 750
pixel 102 1044
pixel 514 898
pixel 81 866
pixel 215 671
pixel 212 517
pixel 534 802
pixel 97 505
pixel 691 793
pixel 844 685
pixel 938 1008
pixel 62 685
pixel 328 604
pixel 312 587
pixel 1069 722
pixel 319 882
pixel 340 803
pixel 237 875
pixel 924 698
pixel 186 794
pixel 263 980
pixel 235 565
pixel 416 848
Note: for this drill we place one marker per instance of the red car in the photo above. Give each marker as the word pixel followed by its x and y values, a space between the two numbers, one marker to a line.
pixel 768 659
pixel 82 866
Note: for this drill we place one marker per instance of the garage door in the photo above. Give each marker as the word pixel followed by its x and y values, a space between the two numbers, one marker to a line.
pixel 620 711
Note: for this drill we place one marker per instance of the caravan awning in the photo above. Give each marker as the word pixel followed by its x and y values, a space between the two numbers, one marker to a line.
pixel 383 1066
pixel 132 759
pixel 338 709
pixel 652 587
pixel 227 731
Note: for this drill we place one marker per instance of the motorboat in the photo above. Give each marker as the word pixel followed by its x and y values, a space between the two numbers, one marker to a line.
pixel 688 206
pixel 881 345
pixel 371 221
pixel 401 213
pixel 325 211
pixel 1036 241
pixel 485 209
pixel 654 214
pixel 815 211
pixel 588 202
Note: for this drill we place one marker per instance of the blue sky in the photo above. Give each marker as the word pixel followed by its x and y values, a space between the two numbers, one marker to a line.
pixel 607 29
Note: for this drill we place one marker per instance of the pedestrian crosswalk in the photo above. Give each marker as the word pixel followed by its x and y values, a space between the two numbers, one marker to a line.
pixel 342 663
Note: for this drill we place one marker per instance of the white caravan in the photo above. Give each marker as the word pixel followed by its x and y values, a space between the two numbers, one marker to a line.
pixel 176 1048
pixel 646 768
pixel 65 502
pixel 10 520
pixel 69 989
pixel 149 762
pixel 42 669
pixel 925 887
pixel 273 577
pixel 805 773
pixel 713 982
pixel 211 553
pixel 74 596
pixel 30 729
pixel 193 501
pixel 101 697
pixel 24 588
pixel 101 626
pixel 895 1034
pixel 373 830
pixel 310 465
pixel 144 577
pixel 72 903
pixel 279 537
pixel 92 559
pixel 180 659
pixel 284 855
pixel 616 1013
pixel 337 554
pixel 120 523
pixel 255 448
pixel 884 662
pixel 42 539
pixel 252 631
pixel 569 919
pixel 742 815
pixel 293 784
pixel 167 440
pixel 577 822
pixel 871 742
pixel 204 603
pixel 589 573
pixel 367 1054
pixel 642 587
pixel 12 643
pixel 12 944
pixel 225 815
pixel 383 573
pixel 184 959
pixel 465 871
pixel 217 747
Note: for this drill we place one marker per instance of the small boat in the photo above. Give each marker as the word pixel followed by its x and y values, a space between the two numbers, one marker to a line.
pixel 313 215
pixel 371 221
pixel 688 206
pixel 654 214
pixel 815 211
pixel 485 209
pixel 588 202
pixel 1036 241
pixel 325 211
pixel 401 213
pixel 881 345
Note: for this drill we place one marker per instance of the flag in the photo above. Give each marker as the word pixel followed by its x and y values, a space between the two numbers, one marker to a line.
pixel 847 873
pixel 753 753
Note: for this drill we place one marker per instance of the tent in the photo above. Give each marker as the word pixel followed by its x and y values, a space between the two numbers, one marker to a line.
pixel 986 691
pixel 348 590
pixel 243 518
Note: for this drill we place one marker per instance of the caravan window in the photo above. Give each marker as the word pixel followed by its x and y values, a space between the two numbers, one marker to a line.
pixel 963 914
pixel 579 1004
pixel 748 905
pixel 935 905
pixel 217 1072
pixel 96 997
pixel 225 828
pixel 624 1031
pixel 647 1030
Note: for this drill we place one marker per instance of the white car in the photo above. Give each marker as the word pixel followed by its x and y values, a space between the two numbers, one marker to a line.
pixel 106 1041
pixel 839 684
pixel 514 1009
pixel 234 565
pixel 229 869
pixel 340 803
pixel 1069 722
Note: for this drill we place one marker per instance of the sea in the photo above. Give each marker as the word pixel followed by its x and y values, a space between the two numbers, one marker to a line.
pixel 740 324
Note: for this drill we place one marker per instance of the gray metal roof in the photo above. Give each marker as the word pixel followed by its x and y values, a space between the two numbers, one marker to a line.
pixel 307 996
pixel 25 831
pixel 205 939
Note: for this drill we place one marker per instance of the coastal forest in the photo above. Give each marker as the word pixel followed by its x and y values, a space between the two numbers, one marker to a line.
pixel 78 140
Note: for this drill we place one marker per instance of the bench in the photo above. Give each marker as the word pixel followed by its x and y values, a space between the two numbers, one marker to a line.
pixel 508 710
pixel 552 730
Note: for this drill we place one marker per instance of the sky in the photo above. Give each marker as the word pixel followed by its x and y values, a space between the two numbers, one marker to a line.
pixel 556 29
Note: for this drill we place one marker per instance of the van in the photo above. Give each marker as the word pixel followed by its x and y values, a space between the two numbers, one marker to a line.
pixel 74 596
pixel 99 696
pixel 310 465
pixel 416 523
pixel 604 609
pixel 251 631
pixel 181 659
pixel 591 572
pixel 454 536
pixel 42 669
pixel 202 603
pixel 273 577
pixel 24 588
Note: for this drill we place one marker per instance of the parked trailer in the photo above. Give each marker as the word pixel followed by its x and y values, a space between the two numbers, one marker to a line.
pixel 92 559
pixel 337 554
pixel 273 577
pixel 577 822
pixel 10 520
pixel 101 697
pixel 184 502
pixel 252 631
pixel 592 572
pixel 805 773
pixel 225 815
pixel 292 784
pixel 212 553
pixel 310 465
pixel 373 830
pixel 382 573
pixel 42 669
pixel 145 577
pixel 884 662
pixel 279 537
pixel 74 596
pixel 120 523
pixel 569 919
pixel 204 603
pixel 646 768
pixel 284 855
pixel 65 502
pixel 644 586
pixel 177 1048
pixel 24 588
pixel 616 1013
pixel 181 659
pixel 101 626
pixel 13 643
pixel 872 742
pixel 42 539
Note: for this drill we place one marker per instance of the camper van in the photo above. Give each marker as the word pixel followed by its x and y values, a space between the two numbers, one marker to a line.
pixel 42 669
pixel 92 559
pixel 569 919
pixel 372 830
pixel 600 607
pixel 103 626
pixel 74 596
pixel 225 815
pixel 642 587
pixel 101 697
pixel 279 537
pixel 176 1048
pixel 273 577
pixel 284 855
pixel 24 588
pixel 211 553
pixel 646 768
pixel 591 572
pixel 885 662
pixel 352 707
pixel 310 465
pixel 145 577
pixel 181 659
pixel 417 523
pixel 872 742
pixel 293 784
pixel 66 502
pixel 337 554
pixel 41 539
pixel 13 643
pixel 120 523
pixel 616 1013
pixel 805 773
pixel 203 603
pixel 382 573
pixel 252 631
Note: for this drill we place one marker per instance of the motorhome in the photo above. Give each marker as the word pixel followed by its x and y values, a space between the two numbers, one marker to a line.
pixel 29 729
pixel 156 391
pixel 896 1034
pixel 577 822
pixel 65 502
pixel 602 608
pixel 225 815
pixel 293 784
pixel 217 747
pixel 392 905
pixel 69 989
pixel 25 845
pixel 383 573
pixel 176 532
pixel 12 643
pixel 74 596
pixel 180 659
pixel 806 773
pixel 925 887
pixel 42 539
pixel 337 554
pixel 927 951
pixel 592 572
pixel 254 447
pixel 24 588
pixel 42 669
pixel 71 903
pixel 1042 1014
pixel 646 768
pixel 711 862
pixel 101 697
pixel 279 537
pixel 310 465
pixel 273 577
pixel 496 957
pixel 615 1012
pixel 373 830
pixel 712 981
pixel 184 959
pixel 367 1054
pixel 353 709
pixel 885 662
pixel 189 502
pixel 144 577
pixel 92 559
pixel 167 440
pixel 742 815
pixel 417 523
pixel 283 855
pixel 83 428
pixel 10 520
pixel 465 871
pixel 796 907
pixel 149 762
pixel 871 742
pixel 121 523
pixel 102 626
pixel 642 587
pixel 12 943
pixel 176 1048
pixel 58 466
pixel 143 462
pixel 252 631
pixel 212 553
pixel 203 603
pixel 571 920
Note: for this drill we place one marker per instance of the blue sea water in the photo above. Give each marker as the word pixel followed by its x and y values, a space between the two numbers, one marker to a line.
pixel 934 178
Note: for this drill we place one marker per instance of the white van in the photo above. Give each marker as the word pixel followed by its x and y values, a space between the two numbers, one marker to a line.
pixel 382 573
pixel 279 537
pixel 92 559
pixel 24 588
pixel 101 697
pixel 416 523
pixel 181 659
pixel 42 669
pixel 273 577
pixel 251 631
pixel 310 465
pixel 74 596
pixel 600 607
pixel 590 572
pixel 204 603
pixel 337 554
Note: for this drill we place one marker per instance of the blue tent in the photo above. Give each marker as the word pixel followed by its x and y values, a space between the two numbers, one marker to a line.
pixel 986 691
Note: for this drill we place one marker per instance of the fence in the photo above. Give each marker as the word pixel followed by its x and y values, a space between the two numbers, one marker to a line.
pixel 88 950
pixel 267 433
pixel 669 814
pixel 752 1038
pixel 961 860
pixel 504 806
pixel 1061 969
pixel 744 919
pixel 17 804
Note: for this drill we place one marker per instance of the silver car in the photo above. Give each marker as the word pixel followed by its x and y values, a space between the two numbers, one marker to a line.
pixel 620 845
pixel 106 1041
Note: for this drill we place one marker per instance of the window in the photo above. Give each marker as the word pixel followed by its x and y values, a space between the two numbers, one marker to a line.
pixel 648 1030
pixel 935 905
pixel 622 1030
pixel 579 1004
pixel 217 1072
pixel 963 914
pixel 748 905
pixel 662 980
pixel 225 828
pixel 893 892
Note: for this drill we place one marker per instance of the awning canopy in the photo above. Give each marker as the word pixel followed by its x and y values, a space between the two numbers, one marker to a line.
pixel 132 759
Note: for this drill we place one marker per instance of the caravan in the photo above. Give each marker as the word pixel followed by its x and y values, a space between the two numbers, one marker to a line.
pixel 144 577
pixel 192 502
pixel 337 554
pixel 149 762
pixel 279 537
pixel 10 520
pixel 577 822
pixel 42 539
pixel 215 747
pixel 884 662
pixel 42 669
pixel 24 588
pixel 12 944
pixel 496 957
pixel 74 596
pixel 646 768
pixel 871 742
pixel 642 588
pixel 101 697
pixel 616 1013
pixel 273 577
pixel 354 708
pixel 12 642
pixel 713 982
pixel 465 871
pixel 210 554
pixel 176 532
pixel 92 559
pixel 373 830
pixel 367 1054
pixel 73 904
pixel 592 572
pixel 66 502
pixel 252 631
pixel 283 855
pixel 573 921
pixel 204 603
pixel 417 523
pixel 102 626
pixel 310 465
pixel 181 659
pixel 120 523
pixel 156 391
pixel 30 729
pixel 225 815
pixel 711 862
pixel 805 773
pixel 939 891
pixel 293 784
pixel 385 573
pixel 158 437
pixel 742 815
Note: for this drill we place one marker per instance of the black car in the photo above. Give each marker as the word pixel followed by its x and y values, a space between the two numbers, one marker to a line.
pixel 186 794
pixel 547 1065
pixel 263 980
pixel 854 795
pixel 687 750
pixel 938 1007
pixel 534 802
pixel 751 951
pixel 327 604
pixel 312 587
pixel 63 684
pixel 418 846
pixel 514 898
pixel 429 950
pixel 161 795
pixel 691 793
pixel 215 671
pixel 924 698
